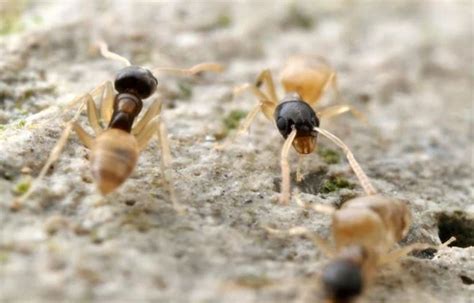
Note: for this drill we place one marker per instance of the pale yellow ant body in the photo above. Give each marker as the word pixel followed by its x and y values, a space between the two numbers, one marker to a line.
pixel 365 231
pixel 304 80
pixel 119 139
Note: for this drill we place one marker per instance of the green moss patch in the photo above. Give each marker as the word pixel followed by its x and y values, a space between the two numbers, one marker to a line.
pixel 334 184
pixel 230 122
pixel 329 156
pixel 22 187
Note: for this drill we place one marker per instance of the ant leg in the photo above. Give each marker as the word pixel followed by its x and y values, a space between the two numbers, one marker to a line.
pixel 152 111
pixel 336 110
pixel 363 179
pixel 77 100
pixel 245 124
pixel 85 138
pixel 268 104
pixel 194 70
pixel 394 255
pixel 299 175
pixel 53 156
pixel 92 114
pixel 144 136
pixel 303 231
pixel 285 168
pixel 265 77
pixel 107 103
pixel 99 90
pixel 240 89
pixel 339 109
pixel 106 53
pixel 165 162
pixel 332 81
pixel 319 208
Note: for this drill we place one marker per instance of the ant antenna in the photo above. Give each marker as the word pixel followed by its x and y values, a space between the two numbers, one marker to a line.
pixel 363 179
pixel 104 51
pixel 194 70
pixel 285 168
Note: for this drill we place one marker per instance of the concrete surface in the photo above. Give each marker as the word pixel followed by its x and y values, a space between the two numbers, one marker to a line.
pixel 407 65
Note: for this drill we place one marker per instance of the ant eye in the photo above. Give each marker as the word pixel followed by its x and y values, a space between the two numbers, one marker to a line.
pixel 291 124
pixel 136 79
pixel 282 124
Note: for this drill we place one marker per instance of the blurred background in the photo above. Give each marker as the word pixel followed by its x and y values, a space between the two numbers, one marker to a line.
pixel 408 65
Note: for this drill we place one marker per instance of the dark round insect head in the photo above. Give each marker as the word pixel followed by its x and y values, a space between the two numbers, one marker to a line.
pixel 297 114
pixel 136 80
pixel 342 280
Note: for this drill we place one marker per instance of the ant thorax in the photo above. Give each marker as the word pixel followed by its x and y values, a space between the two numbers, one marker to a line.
pixel 133 83
pixel 126 108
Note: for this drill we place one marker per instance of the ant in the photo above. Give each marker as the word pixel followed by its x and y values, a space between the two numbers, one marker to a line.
pixel 115 148
pixel 364 231
pixel 304 79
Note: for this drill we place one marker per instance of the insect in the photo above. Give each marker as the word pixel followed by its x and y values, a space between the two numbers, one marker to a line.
pixel 119 138
pixel 364 232
pixel 304 79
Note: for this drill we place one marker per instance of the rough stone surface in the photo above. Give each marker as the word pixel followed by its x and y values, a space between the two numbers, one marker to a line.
pixel 408 66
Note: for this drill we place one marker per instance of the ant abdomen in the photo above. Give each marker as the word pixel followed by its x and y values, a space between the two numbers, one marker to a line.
pixel 371 221
pixel 299 115
pixel 115 147
pixel 359 226
pixel 302 73
pixel 113 158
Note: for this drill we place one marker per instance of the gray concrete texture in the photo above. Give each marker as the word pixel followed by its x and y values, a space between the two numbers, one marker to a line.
pixel 407 65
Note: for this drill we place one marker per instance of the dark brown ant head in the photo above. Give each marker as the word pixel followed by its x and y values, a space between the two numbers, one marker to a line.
pixel 136 80
pixel 342 280
pixel 295 113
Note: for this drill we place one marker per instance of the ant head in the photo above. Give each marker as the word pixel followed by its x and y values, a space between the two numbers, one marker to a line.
pixel 136 80
pixel 297 114
pixel 342 280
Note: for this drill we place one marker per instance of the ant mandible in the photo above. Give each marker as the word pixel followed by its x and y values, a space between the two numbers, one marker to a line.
pixel 304 79
pixel 115 148
pixel 364 232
